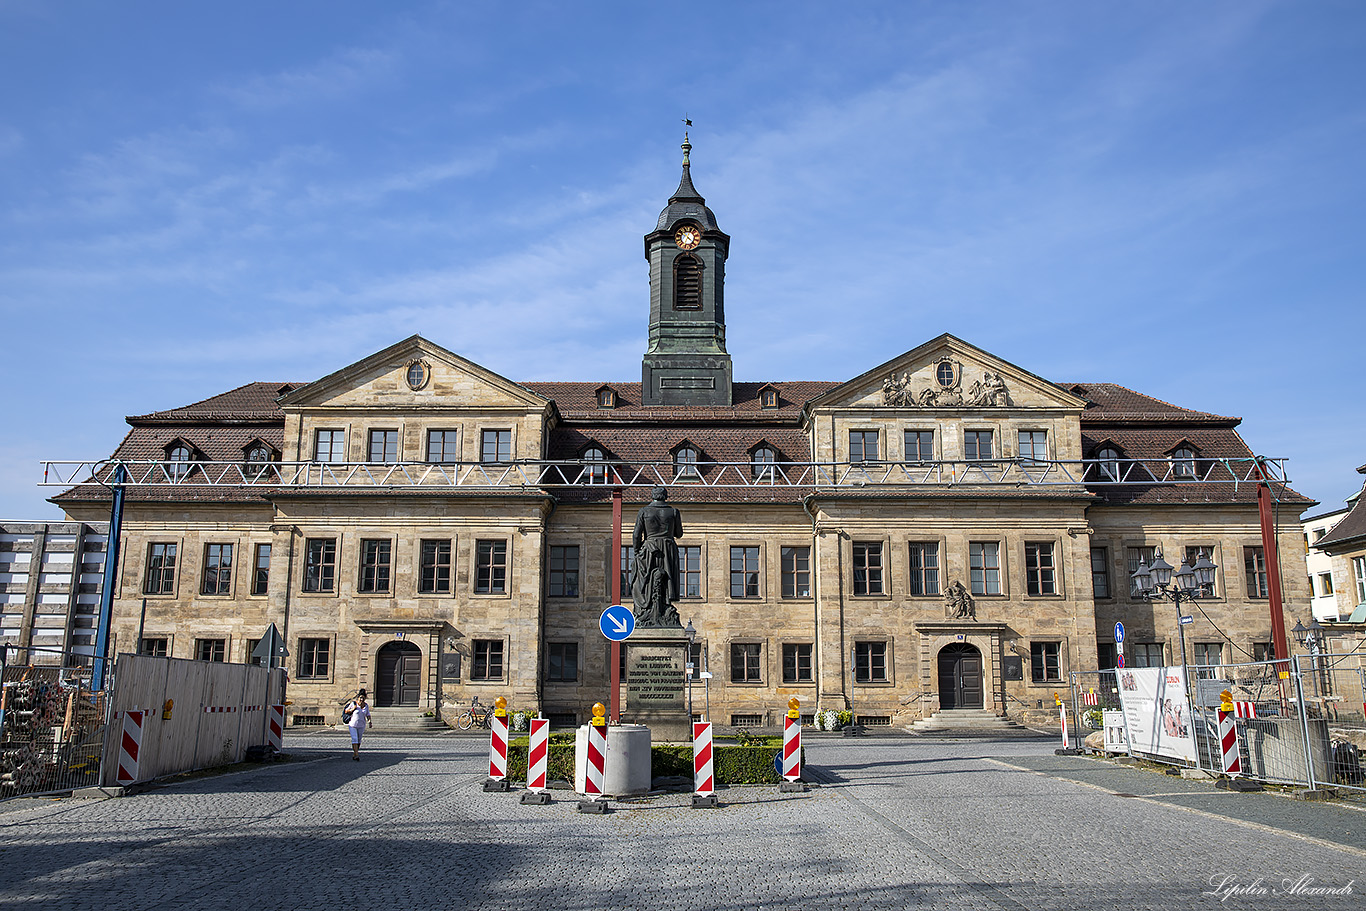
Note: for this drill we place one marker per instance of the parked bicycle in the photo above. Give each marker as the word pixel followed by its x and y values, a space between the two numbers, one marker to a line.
pixel 476 714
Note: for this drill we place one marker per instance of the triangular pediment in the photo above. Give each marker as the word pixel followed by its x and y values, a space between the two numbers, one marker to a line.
pixel 948 373
pixel 414 373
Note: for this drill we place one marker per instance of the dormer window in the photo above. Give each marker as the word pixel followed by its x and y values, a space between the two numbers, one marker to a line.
pixel 1183 463
pixel 768 397
pixel 685 464
pixel 1107 463
pixel 763 463
pixel 179 456
pixel 687 282
pixel 258 459
pixel 594 473
pixel 607 397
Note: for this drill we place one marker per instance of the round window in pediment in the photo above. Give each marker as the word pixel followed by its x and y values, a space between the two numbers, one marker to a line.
pixel 418 374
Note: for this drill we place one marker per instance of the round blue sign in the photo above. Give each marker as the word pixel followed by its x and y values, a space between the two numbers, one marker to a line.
pixel 617 622
pixel 1119 633
pixel 778 762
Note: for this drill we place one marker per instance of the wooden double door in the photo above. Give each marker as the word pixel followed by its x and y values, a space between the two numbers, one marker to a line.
pixel 960 677
pixel 398 674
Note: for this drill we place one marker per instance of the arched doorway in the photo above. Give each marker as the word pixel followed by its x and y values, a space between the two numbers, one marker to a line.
pixel 960 677
pixel 398 674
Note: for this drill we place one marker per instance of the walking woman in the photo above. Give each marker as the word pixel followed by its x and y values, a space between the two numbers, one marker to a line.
pixel 360 717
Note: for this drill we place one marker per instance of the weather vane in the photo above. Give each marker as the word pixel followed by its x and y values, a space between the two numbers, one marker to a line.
pixel 686 121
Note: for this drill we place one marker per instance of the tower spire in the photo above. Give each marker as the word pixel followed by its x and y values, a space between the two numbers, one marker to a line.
pixel 686 192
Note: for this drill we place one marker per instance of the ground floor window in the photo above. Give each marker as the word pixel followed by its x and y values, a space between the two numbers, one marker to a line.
pixel 562 662
pixel 488 660
pixel 870 662
pixel 797 662
pixel 1045 662
pixel 314 658
pixel 1148 654
pixel 211 649
pixel 158 647
pixel 744 662
pixel 1208 656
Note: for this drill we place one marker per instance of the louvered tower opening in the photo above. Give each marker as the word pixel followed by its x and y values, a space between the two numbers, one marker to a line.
pixel 687 282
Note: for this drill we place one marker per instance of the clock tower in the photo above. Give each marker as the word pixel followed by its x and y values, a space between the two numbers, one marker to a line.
pixel 686 362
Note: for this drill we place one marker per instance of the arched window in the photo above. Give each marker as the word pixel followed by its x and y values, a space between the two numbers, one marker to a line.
pixel 1183 463
pixel 685 464
pixel 594 473
pixel 687 282
pixel 763 463
pixel 178 456
pixel 259 458
pixel 1107 462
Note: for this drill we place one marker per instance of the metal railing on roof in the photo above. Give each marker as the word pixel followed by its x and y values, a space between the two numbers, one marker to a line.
pixel 552 474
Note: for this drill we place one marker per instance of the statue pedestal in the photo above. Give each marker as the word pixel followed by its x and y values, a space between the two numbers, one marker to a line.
pixel 656 677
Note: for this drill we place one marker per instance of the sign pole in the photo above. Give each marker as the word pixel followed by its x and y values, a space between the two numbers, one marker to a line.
pixel 614 673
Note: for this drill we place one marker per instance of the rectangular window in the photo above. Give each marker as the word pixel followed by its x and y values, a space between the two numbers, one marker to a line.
pixel 1100 572
pixel 1208 656
pixel 1040 578
pixel 977 445
pixel 697 656
pixel 434 571
pixel 156 646
pixel 920 446
pixel 1193 554
pixel 217 570
pixel 251 658
pixel 867 568
pixel 1359 572
pixel 383 446
pixel 1043 662
pixel 1263 651
pixel 495 446
pixel 488 660
pixel 211 649
pixel 1254 569
pixel 374 565
pixel 443 446
pixel 984 567
pixel 564 571
pixel 627 561
pixel 796 572
pixel 744 662
pixel 1105 656
pixel 1325 584
pixel 863 445
pixel 924 578
pixel 1033 445
pixel 870 662
pixel 329 445
pixel 797 662
pixel 1135 556
pixel 160 570
pixel 1148 654
pixel 689 571
pixel 562 662
pixel 320 565
pixel 260 577
pixel 490 567
pixel 744 572
pixel 314 657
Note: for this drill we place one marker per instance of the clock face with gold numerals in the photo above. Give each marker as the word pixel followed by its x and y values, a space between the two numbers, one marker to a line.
pixel 688 237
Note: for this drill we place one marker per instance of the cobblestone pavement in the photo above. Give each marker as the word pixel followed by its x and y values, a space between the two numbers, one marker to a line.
pixel 896 822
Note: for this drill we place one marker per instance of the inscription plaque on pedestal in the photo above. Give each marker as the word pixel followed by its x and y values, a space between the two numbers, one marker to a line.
pixel 655 685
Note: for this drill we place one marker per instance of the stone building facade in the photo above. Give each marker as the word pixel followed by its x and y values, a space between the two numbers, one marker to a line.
pixel 945 530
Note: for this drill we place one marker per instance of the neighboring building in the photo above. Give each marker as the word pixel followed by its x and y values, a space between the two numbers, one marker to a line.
pixel 50 579
pixel 1322 586
pixel 1345 546
pixel 414 522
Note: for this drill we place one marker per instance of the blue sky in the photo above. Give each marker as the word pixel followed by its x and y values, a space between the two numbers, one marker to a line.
pixel 1164 195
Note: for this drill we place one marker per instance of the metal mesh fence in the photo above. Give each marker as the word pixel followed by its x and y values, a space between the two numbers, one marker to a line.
pixel 51 724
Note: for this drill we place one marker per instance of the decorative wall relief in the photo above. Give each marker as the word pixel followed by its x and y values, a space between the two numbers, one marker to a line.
pixel 958 604
pixel 946 389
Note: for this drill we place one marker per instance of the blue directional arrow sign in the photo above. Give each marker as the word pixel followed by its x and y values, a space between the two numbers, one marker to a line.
pixel 617 622
pixel 1119 633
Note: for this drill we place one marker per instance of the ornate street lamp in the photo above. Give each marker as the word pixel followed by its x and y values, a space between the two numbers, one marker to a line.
pixel 1154 583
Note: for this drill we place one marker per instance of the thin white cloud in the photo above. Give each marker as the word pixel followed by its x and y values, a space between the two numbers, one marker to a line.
pixel 338 76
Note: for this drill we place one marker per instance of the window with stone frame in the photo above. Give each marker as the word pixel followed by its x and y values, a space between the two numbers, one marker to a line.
pixel 797 662
pixel 156 646
pixel 375 556
pixel 923 579
pixel 563 576
pixel 1359 574
pixel 383 446
pixel 919 445
pixel 689 571
pixel 1254 572
pixel 796 572
pixel 870 662
pixel 562 662
pixel 628 556
pixel 1133 557
pixel 217 574
pixel 443 446
pixel 160 575
pixel 329 445
pixel 867 566
pixel 260 574
pixel 978 445
pixel 211 649
pixel 863 445
pixel 314 658
pixel 984 567
pixel 1100 572
pixel 495 446
pixel 320 565
pixel 1033 445
pixel 1045 662
pixel 1263 651
pixel 434 566
pixel 490 567
pixel 744 572
pixel 1040 572
pixel 1148 654
pixel 745 664
pixel 488 659
pixel 1208 657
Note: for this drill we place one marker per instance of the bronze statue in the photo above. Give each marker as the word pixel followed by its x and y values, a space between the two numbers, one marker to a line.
pixel 654 575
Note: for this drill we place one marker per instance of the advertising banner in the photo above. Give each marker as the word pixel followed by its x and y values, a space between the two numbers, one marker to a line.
pixel 1156 711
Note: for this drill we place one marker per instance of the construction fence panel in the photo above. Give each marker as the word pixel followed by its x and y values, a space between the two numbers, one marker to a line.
pixel 1335 695
pixel 52 725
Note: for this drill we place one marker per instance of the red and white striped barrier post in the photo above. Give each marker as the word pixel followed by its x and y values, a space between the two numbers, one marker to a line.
pixel 792 748
pixel 1066 740
pixel 595 770
pixel 498 747
pixel 537 762
pixel 1228 743
pixel 1248 709
pixel 130 746
pixel 703 776
pixel 275 726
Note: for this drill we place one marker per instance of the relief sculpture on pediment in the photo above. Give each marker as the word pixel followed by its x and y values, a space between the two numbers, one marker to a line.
pixel 945 389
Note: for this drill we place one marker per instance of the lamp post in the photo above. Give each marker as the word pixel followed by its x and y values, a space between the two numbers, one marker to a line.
pixel 1311 637
pixel 1154 583
pixel 691 632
